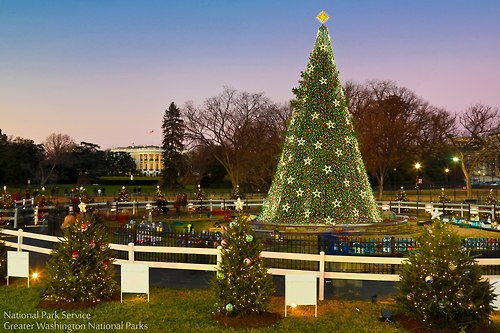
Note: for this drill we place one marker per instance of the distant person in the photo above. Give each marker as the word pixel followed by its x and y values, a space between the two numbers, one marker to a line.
pixel 68 220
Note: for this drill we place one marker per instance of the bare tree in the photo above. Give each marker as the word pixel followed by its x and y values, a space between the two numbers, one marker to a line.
pixel 475 138
pixel 393 123
pixel 55 147
pixel 432 126
pixel 265 140
pixel 234 125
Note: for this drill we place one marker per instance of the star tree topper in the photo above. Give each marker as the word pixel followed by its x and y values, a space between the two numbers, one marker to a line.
pixel 238 204
pixel 83 207
pixel 436 214
pixel 322 17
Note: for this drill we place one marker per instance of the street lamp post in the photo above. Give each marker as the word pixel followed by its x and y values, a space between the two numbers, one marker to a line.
pixel 417 183
pixel 446 171
pixel 455 162
pixel 200 198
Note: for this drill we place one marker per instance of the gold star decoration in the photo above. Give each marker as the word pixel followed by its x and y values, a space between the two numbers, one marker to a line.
pixel 322 17
pixel 239 204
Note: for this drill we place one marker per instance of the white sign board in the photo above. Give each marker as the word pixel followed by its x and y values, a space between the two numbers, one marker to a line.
pixel 495 282
pixel 18 265
pixel 134 279
pixel 301 290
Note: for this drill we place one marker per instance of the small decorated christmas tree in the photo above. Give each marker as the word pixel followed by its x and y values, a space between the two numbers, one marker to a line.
pixel 491 199
pixel 123 195
pixel 443 198
pixel 199 195
pixel 41 199
pixel 237 193
pixel 81 194
pixel 401 196
pixel 440 283
pixel 80 267
pixel 242 285
pixel 6 200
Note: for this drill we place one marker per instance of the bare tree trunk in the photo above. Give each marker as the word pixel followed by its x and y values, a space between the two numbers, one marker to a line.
pixel 231 173
pixel 44 178
pixel 468 183
pixel 380 179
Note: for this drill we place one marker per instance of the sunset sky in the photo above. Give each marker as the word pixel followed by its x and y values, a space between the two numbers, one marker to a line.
pixel 104 71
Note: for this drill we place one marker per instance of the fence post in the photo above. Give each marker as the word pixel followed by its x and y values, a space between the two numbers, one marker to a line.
pixel 20 240
pixel 219 257
pixel 35 215
pixel 211 207
pixel 321 275
pixel 15 217
pixel 131 257
pixel 134 207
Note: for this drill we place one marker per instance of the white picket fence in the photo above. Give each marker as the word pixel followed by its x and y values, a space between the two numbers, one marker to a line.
pixel 320 258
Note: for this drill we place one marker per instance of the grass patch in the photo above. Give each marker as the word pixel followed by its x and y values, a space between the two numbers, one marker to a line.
pixel 181 310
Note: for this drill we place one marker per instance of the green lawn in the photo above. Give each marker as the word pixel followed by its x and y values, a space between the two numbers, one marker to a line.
pixel 175 310
pixel 180 310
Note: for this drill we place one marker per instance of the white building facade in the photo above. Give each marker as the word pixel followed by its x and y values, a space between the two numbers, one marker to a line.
pixel 148 159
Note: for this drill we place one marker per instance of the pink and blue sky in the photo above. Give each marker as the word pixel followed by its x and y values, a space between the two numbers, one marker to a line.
pixel 104 71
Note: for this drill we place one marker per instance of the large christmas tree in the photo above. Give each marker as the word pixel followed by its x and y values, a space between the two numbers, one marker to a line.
pixel 80 267
pixel 321 177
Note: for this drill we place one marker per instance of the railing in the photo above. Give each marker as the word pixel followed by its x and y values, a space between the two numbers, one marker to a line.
pixel 465 210
pixel 318 262
pixel 9 216
pixel 400 207
pixel 34 213
pixel 160 234
pixel 26 213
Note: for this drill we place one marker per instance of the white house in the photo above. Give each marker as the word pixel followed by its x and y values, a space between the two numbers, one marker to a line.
pixel 148 159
